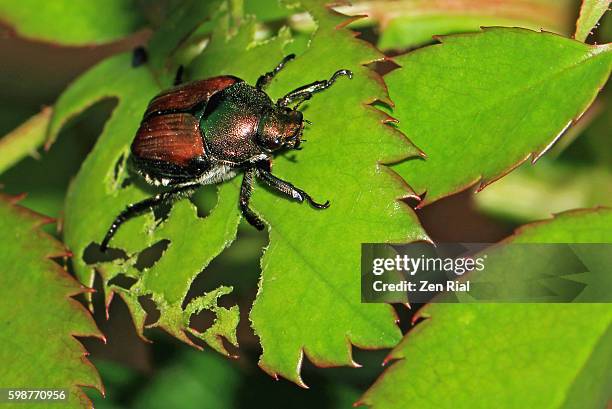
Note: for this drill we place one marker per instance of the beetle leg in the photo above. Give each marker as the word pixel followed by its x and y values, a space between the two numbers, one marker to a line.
pixel 178 77
pixel 139 56
pixel 245 196
pixel 305 92
pixel 286 188
pixel 137 209
pixel 267 77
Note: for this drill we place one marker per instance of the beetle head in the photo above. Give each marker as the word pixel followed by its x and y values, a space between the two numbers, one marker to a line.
pixel 280 128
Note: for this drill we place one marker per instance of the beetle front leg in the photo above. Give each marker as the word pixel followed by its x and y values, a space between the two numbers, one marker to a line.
pixel 286 188
pixel 305 92
pixel 245 196
pixel 265 79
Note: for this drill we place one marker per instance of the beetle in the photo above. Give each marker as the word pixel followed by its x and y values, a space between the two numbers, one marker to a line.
pixel 208 131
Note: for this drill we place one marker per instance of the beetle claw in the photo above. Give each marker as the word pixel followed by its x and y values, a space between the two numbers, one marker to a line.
pixel 318 205
pixel 338 73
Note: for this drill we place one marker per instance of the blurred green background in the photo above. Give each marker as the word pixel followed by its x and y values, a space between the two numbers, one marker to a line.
pixel 167 374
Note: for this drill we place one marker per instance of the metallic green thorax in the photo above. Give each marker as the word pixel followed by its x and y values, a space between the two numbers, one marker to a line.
pixel 238 121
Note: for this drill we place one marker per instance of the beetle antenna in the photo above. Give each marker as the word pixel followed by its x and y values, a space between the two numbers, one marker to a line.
pixel 307 121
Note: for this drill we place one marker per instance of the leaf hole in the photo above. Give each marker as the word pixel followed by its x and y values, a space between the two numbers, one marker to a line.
pixel 227 301
pixel 205 199
pixel 202 320
pixel 151 255
pixel 123 281
pixel 236 258
pixel 93 254
pixel 150 308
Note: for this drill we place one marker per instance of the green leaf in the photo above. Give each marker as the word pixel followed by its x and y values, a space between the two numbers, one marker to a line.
pixel 38 317
pixel 24 140
pixel 72 23
pixel 505 355
pixel 481 104
pixel 409 23
pixel 98 194
pixel 309 296
pixel 590 13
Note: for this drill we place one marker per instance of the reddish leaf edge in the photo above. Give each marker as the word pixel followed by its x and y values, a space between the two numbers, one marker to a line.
pixel 77 289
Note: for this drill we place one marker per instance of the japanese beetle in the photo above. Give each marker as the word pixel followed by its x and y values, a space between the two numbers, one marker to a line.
pixel 207 131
